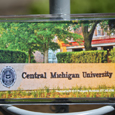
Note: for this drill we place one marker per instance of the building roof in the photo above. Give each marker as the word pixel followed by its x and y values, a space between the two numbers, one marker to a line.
pixel 98 41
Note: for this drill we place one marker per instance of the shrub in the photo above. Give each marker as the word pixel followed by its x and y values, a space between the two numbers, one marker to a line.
pixel 12 56
pixel 64 57
pixel 112 55
pixel 32 58
pixel 96 56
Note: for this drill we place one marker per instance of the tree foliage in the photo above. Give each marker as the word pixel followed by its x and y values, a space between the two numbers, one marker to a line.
pixel 35 36
pixel 88 28
pixel 108 26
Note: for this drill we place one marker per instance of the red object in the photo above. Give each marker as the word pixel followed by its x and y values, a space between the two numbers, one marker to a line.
pixel 99 41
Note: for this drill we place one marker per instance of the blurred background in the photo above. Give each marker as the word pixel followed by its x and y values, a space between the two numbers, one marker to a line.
pixel 21 7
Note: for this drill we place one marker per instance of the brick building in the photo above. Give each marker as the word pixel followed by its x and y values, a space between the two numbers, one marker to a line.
pixel 101 41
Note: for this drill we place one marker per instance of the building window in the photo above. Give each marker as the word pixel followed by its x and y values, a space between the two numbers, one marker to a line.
pixel 78 49
pixel 49 55
pixel 52 56
pixel 99 32
pixel 93 48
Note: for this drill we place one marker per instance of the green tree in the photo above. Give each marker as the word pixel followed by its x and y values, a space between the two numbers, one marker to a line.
pixel 19 36
pixel 88 28
pixel 46 33
pixel 36 36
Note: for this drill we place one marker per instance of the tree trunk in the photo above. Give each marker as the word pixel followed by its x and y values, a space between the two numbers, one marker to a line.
pixel 87 43
pixel 88 35
pixel 46 56
pixel 29 56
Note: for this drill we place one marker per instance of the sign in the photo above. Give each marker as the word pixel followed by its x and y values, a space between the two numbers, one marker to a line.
pixel 23 77
pixel 67 79
pixel 35 76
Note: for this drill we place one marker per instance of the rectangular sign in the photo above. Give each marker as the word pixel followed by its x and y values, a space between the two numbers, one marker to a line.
pixel 58 80
pixel 56 58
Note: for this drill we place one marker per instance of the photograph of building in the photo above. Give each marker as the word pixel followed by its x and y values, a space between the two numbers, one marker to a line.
pixel 101 41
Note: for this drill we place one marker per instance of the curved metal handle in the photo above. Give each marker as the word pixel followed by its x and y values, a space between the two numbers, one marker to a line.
pixel 17 111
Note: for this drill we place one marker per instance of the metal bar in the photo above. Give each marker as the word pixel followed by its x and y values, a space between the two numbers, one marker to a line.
pixel 61 7
pixel 99 111
pixel 55 16
pixel 58 104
